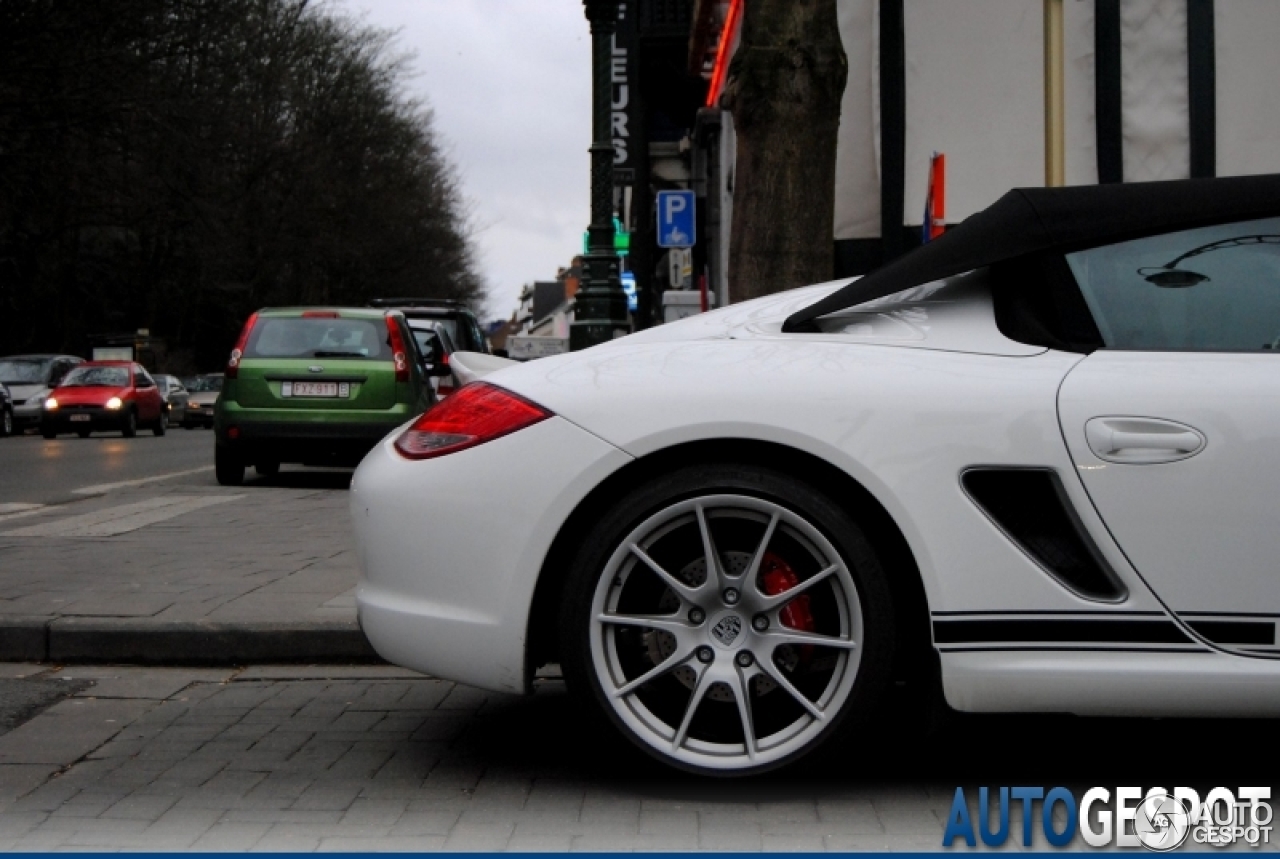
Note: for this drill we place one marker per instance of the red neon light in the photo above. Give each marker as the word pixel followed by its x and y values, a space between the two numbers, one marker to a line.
pixel 722 52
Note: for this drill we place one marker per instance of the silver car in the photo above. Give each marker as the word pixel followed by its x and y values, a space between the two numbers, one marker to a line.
pixel 175 397
pixel 29 379
pixel 203 391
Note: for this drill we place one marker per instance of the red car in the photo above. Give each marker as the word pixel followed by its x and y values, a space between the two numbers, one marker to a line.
pixel 102 395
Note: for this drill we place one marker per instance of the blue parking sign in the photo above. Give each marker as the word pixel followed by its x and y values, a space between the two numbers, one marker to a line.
pixel 675 219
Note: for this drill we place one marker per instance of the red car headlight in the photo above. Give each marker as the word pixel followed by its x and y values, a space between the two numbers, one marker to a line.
pixel 477 413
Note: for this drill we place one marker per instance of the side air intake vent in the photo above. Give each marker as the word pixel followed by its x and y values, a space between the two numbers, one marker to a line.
pixel 1031 507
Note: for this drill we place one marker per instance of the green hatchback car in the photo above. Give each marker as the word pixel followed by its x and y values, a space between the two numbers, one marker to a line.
pixel 317 387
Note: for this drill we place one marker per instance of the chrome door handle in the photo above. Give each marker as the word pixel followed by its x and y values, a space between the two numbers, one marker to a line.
pixel 1142 441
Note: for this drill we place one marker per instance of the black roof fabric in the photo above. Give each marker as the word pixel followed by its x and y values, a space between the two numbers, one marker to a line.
pixel 1027 220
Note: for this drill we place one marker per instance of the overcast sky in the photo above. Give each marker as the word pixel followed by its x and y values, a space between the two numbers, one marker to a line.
pixel 509 82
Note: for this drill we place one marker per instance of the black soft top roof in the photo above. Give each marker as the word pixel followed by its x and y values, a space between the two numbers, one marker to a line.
pixel 1030 220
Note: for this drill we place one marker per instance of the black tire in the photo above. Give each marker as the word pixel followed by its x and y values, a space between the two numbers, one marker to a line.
pixel 188 426
pixel 870 673
pixel 83 433
pixel 208 424
pixel 227 467
pixel 48 432
pixel 161 425
pixel 267 468
pixel 6 422
pixel 129 424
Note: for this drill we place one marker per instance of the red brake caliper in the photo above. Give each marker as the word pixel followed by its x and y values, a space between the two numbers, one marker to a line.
pixel 778 577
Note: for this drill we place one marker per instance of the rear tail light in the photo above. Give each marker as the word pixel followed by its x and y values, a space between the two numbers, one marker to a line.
pixel 475 414
pixel 233 363
pixel 398 353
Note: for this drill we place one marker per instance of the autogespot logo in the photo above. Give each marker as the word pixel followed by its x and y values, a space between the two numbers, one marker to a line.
pixel 1159 820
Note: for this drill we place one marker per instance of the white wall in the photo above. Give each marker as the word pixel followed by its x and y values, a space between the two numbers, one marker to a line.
pixel 975 90
pixel 1248 76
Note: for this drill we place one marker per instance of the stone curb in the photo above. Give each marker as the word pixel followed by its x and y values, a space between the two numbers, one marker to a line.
pixel 129 641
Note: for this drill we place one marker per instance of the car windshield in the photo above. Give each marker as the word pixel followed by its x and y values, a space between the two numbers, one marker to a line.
pixel 96 377
pixel 323 337
pixel 22 371
pixel 204 384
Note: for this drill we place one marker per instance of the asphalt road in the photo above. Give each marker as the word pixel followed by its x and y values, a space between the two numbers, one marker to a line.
pixel 68 468
pixel 36 471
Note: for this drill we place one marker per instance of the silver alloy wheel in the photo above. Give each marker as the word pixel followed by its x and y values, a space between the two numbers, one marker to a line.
pixel 727 640
pixel 8 422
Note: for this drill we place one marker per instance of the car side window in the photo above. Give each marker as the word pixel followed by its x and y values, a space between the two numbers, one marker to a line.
pixel 60 369
pixel 1211 289
pixel 142 380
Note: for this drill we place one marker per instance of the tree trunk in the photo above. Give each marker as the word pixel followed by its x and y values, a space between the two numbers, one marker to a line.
pixel 784 90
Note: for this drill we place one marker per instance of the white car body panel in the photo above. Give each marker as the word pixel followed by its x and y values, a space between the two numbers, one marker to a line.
pixel 1201 530
pixel 902 394
pixel 463 614
pixel 471 367
pixel 1112 684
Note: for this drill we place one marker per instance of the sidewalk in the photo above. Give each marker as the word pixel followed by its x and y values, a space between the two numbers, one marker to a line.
pixel 182 573
pixel 377 758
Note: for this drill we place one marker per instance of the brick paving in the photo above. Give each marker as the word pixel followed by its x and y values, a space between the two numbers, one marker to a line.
pixel 378 758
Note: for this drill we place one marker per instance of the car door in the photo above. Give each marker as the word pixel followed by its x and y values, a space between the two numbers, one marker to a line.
pixel 1174 427
pixel 148 396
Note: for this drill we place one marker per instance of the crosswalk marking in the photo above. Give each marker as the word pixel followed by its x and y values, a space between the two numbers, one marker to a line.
pixel 103 488
pixel 18 509
pixel 123 518
pixel 8 507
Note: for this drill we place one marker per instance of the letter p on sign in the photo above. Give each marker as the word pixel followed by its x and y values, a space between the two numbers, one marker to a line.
pixel 676 221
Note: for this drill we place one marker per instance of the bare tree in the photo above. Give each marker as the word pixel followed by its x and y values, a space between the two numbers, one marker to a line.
pixel 176 164
pixel 784 89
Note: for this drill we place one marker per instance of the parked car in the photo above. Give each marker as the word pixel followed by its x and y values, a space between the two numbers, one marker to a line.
pixel 435 347
pixel 1028 466
pixel 463 328
pixel 315 386
pixel 203 393
pixel 6 411
pixel 105 395
pixel 30 378
pixel 175 397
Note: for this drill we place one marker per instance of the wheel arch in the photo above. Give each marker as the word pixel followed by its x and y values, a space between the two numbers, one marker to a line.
pixel 915 657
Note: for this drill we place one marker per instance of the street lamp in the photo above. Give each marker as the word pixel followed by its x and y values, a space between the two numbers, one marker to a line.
pixel 1169 276
pixel 600 309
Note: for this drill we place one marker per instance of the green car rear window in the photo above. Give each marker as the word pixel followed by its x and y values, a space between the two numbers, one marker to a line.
pixel 292 337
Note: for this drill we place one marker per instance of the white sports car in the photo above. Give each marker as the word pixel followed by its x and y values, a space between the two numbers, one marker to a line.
pixel 1034 462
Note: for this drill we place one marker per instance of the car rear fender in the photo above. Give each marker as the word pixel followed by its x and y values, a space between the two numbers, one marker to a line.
pixel 472 366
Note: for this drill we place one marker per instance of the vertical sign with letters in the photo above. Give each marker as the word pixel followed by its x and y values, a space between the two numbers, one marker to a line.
pixel 624 100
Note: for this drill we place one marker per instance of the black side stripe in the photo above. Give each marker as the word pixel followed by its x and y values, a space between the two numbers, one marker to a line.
pixel 1059 631
pixel 1099 631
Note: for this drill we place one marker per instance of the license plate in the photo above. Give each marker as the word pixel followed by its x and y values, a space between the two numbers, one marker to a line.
pixel 80 417
pixel 315 389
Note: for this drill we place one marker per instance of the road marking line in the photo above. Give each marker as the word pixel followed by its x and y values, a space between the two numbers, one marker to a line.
pixel 103 488
pixel 123 518
pixel 18 510
pixel 16 507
